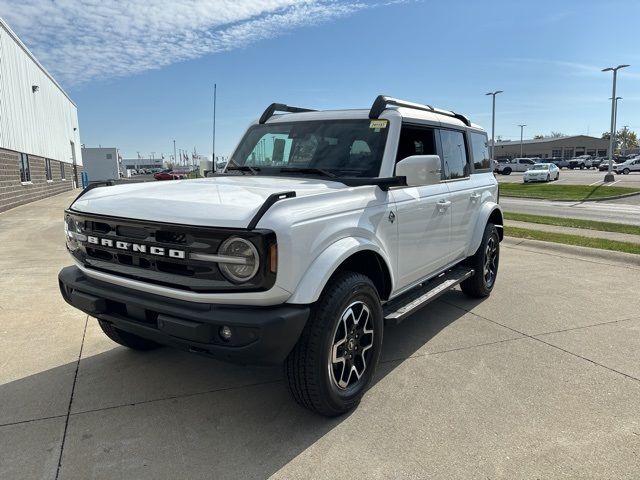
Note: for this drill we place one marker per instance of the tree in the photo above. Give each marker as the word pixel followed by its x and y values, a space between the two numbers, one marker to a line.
pixel 627 139
pixel 538 136
pixel 606 136
pixel 554 134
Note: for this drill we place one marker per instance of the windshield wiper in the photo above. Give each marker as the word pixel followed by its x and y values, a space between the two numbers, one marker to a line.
pixel 308 170
pixel 245 168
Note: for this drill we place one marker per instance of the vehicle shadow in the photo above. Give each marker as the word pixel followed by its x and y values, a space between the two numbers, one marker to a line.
pixel 189 415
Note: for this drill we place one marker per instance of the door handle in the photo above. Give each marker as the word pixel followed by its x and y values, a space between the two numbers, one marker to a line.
pixel 475 196
pixel 443 205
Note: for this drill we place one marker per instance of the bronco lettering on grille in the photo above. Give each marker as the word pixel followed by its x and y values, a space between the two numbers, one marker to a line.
pixel 136 247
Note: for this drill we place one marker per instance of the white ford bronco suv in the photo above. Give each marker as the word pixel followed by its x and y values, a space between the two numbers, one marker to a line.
pixel 324 227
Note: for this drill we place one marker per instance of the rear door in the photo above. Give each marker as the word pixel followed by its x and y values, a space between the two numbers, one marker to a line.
pixel 464 193
pixel 423 214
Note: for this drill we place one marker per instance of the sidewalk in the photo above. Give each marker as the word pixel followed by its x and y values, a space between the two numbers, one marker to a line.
pixel 619 237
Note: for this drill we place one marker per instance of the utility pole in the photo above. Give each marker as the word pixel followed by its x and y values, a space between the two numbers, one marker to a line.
pixel 609 176
pixel 175 157
pixel 521 132
pixel 493 123
pixel 213 142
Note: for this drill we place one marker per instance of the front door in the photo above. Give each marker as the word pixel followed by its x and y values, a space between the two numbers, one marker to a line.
pixel 423 215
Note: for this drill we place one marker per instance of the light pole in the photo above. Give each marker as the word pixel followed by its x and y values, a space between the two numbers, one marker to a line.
pixel 213 142
pixel 625 130
pixel 175 156
pixel 521 132
pixel 493 123
pixel 609 176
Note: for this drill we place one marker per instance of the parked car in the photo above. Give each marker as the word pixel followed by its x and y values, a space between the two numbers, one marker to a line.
pixel 301 262
pixel 515 165
pixel 166 175
pixel 632 165
pixel 559 162
pixel 604 165
pixel 496 164
pixel 581 162
pixel 541 172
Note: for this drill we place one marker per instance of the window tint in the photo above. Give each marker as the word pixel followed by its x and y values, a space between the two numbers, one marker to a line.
pixel 416 141
pixel 47 168
pixel 480 148
pixel 25 170
pixel 454 154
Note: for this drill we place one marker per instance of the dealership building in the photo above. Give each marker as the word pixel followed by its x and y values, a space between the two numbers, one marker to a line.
pixel 550 147
pixel 39 136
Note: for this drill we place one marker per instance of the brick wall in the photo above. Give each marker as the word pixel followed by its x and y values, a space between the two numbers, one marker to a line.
pixel 14 193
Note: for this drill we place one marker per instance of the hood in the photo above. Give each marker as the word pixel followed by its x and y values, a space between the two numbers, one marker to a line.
pixel 229 201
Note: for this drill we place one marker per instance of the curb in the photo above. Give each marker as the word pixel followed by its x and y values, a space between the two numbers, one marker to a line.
pixel 628 259
pixel 601 199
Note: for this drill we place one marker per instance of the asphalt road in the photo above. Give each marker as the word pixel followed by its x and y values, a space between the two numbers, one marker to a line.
pixel 541 380
pixel 581 177
pixel 601 211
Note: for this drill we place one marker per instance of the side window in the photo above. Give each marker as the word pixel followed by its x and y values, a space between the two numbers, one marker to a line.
pixel 454 154
pixel 416 141
pixel 62 171
pixel 25 169
pixel 480 149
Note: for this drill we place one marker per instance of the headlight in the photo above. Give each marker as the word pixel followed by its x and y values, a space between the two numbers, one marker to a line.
pixel 72 233
pixel 240 260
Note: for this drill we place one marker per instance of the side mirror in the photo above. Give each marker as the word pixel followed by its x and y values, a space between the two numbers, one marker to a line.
pixel 420 169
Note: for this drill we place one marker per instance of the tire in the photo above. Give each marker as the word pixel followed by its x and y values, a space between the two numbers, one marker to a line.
pixel 506 171
pixel 581 167
pixel 126 339
pixel 626 171
pixel 548 177
pixel 315 381
pixel 478 286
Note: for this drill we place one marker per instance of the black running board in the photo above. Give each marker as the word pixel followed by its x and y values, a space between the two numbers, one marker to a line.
pixel 400 308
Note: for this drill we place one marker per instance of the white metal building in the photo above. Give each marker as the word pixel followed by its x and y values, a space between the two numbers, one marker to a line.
pixel 39 134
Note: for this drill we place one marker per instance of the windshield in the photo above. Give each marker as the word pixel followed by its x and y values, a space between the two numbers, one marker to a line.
pixel 341 148
pixel 540 167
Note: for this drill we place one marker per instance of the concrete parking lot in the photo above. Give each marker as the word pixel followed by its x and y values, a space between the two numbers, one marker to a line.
pixel 581 177
pixel 541 380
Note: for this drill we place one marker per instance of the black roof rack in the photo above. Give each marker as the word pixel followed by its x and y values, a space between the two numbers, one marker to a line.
pixel 281 107
pixel 381 102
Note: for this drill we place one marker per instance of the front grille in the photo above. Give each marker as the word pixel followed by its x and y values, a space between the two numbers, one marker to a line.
pixel 114 253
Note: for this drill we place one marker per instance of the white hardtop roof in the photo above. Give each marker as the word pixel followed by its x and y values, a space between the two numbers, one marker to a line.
pixel 389 112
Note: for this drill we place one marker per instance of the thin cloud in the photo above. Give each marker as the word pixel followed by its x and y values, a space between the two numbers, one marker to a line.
pixel 82 40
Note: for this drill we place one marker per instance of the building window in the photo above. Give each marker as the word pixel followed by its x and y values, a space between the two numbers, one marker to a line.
pixel 556 152
pixel 568 153
pixel 109 156
pixel 62 176
pixel 602 153
pixel 47 169
pixel 25 169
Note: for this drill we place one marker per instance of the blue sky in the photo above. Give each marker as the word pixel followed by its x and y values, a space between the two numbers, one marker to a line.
pixel 143 75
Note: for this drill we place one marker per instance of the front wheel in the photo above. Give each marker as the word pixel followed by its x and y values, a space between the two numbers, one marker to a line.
pixel 626 171
pixel 126 339
pixel 548 178
pixel 485 263
pixel 333 362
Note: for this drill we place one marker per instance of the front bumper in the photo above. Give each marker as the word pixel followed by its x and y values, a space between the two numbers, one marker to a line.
pixel 260 335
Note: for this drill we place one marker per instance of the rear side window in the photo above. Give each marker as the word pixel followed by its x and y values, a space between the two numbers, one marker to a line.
pixel 454 154
pixel 480 149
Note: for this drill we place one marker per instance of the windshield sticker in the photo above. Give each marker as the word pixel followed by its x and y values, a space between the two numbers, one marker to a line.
pixel 378 124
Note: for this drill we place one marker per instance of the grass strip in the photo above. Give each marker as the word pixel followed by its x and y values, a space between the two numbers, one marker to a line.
pixel 563 192
pixel 567 239
pixel 574 223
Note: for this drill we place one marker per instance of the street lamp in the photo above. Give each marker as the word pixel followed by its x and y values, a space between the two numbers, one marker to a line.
pixel 521 131
pixel 625 130
pixel 615 121
pixel 609 176
pixel 493 123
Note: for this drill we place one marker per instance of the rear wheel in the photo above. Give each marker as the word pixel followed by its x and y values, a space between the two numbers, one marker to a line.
pixel 332 364
pixel 126 339
pixel 485 263
pixel 507 171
